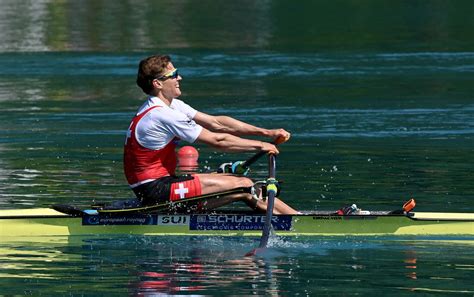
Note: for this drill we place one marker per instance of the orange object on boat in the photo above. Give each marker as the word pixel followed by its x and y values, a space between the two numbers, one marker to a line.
pixel 409 205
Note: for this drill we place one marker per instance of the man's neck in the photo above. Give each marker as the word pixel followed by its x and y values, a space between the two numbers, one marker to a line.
pixel 164 99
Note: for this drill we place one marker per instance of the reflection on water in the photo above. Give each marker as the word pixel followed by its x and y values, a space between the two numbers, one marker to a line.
pixel 129 25
pixel 244 24
pixel 217 266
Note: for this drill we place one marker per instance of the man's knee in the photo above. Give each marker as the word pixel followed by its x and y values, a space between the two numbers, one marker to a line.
pixel 245 182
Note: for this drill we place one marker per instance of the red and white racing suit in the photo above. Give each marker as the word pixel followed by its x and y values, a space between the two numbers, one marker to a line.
pixel 149 152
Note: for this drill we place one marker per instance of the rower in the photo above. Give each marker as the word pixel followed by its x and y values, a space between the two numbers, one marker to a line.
pixel 149 154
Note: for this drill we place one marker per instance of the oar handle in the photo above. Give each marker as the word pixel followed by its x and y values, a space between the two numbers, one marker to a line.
pixel 260 154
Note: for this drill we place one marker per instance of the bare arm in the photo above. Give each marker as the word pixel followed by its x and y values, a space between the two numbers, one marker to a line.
pixel 225 124
pixel 231 143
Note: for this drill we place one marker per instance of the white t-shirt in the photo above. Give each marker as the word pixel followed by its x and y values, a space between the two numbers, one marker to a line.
pixel 161 125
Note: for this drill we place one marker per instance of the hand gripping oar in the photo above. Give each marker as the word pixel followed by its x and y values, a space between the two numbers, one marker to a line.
pixel 271 193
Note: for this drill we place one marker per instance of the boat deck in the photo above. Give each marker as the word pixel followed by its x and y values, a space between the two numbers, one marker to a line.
pixel 49 222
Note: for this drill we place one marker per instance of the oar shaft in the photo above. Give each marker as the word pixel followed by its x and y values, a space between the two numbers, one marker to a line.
pixel 271 192
pixel 260 154
pixel 272 166
pixel 253 159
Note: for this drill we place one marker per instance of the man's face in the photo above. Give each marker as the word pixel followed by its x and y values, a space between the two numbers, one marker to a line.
pixel 170 86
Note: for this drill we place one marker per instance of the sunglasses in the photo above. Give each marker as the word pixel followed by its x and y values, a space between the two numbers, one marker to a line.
pixel 172 74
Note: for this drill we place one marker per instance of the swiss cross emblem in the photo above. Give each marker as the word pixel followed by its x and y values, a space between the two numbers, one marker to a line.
pixel 181 191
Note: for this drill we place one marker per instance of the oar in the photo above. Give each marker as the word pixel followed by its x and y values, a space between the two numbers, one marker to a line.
pixel 271 193
pixel 253 159
pixel 246 164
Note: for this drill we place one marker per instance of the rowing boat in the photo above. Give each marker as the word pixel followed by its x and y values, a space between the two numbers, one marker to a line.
pixel 130 217
pixel 39 222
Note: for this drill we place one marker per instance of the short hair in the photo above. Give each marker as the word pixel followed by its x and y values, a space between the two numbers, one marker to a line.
pixel 149 69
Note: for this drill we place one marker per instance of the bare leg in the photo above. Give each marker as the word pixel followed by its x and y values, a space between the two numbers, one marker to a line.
pixel 280 207
pixel 212 183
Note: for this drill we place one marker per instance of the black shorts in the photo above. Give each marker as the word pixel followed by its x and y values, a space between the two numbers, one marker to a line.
pixel 159 190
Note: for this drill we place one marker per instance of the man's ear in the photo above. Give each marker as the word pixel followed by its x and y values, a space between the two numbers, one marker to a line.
pixel 157 84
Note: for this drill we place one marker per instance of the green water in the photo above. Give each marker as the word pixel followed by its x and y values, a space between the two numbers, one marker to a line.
pixel 378 97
